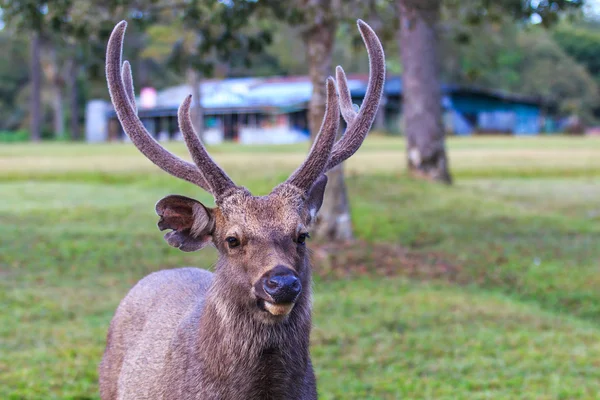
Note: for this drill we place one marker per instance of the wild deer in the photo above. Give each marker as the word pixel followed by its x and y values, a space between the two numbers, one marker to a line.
pixel 243 331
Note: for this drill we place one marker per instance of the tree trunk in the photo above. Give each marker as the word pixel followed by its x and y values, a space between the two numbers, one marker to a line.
pixel 334 221
pixel 319 40
pixel 379 123
pixel 193 78
pixel 422 98
pixel 71 78
pixel 35 107
pixel 56 82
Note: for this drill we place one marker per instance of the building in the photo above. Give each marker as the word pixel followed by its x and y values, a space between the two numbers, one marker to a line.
pixel 470 110
pixel 274 110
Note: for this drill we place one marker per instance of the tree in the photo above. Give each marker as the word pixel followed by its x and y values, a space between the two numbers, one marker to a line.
pixel 551 74
pixel 522 59
pixel 14 79
pixel 67 29
pixel 200 35
pixel 28 16
pixel 51 66
pixel 318 33
pixel 582 42
pixel 422 110
pixel 71 75
pixel 176 44
pixel 35 106
pixel 318 24
pixel 418 40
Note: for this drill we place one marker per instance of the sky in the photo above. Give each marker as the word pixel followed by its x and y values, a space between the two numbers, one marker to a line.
pixel 592 8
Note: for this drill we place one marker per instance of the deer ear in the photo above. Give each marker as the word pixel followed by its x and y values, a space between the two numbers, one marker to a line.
pixel 192 224
pixel 315 198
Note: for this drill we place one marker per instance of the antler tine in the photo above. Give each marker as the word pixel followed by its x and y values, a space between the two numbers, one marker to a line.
pixel 346 106
pixel 360 123
pixel 128 82
pixel 124 102
pixel 216 178
pixel 315 163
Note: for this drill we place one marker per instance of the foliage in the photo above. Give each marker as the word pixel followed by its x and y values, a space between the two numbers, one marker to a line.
pixel 518 320
pixel 206 34
pixel 547 12
pixel 582 42
pixel 522 60
pixel 13 79
pixel 14 136
pixel 484 43
pixel 549 73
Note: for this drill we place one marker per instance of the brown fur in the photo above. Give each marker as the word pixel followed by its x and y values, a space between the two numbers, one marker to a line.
pixel 192 334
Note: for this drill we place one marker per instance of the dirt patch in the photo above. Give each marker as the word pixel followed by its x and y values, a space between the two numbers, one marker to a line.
pixel 359 258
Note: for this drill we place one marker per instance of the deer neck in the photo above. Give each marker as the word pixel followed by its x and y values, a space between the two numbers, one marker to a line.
pixel 253 358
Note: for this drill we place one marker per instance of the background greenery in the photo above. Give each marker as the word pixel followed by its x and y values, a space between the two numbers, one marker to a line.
pixel 484 290
pixel 487 44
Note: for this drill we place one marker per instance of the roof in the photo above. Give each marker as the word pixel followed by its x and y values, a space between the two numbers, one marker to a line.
pixel 282 94
pixel 393 86
pixel 279 92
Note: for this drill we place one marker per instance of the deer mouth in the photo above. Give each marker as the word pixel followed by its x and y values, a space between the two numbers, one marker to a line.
pixel 276 309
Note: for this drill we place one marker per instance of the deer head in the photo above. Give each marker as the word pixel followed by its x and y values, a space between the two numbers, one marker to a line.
pixel 261 240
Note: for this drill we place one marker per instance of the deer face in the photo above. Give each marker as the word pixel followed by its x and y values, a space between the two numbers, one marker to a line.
pixel 261 242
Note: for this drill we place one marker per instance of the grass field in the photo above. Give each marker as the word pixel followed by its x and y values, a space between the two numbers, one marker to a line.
pixel 510 311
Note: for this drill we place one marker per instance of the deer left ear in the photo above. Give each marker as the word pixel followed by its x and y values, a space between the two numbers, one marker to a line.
pixel 191 222
pixel 315 198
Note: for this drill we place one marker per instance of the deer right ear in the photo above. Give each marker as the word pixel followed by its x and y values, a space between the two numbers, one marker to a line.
pixel 192 224
pixel 315 198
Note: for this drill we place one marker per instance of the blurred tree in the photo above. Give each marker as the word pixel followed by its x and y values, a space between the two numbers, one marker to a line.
pixel 521 59
pixel 64 28
pixel 318 24
pixel 418 40
pixel 35 107
pixel 422 105
pixel 200 35
pixel 582 42
pixel 27 17
pixel 14 78
pixel 548 72
pixel 51 67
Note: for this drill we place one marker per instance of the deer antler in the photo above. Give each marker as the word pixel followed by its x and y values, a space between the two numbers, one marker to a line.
pixel 216 178
pixel 325 155
pixel 206 173
pixel 304 177
pixel 359 124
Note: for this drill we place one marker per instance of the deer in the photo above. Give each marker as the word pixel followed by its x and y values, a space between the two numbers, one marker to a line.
pixel 242 331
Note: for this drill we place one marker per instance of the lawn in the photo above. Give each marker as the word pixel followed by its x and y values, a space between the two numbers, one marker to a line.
pixel 489 291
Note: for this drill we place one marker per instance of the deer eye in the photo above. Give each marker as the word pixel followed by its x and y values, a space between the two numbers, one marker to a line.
pixel 302 238
pixel 232 241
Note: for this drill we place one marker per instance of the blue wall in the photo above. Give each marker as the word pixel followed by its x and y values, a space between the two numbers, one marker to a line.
pixel 492 114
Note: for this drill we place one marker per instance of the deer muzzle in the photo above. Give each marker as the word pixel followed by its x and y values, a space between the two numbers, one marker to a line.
pixel 278 290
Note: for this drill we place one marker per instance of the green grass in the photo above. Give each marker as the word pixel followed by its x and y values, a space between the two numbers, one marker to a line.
pixel 519 320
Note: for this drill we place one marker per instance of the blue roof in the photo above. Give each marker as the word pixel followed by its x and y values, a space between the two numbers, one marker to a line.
pixel 393 87
pixel 285 93
pixel 256 93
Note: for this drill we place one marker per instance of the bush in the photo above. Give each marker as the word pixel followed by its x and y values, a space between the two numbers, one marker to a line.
pixel 14 136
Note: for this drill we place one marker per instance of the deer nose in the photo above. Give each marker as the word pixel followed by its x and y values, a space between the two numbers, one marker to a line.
pixel 282 285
